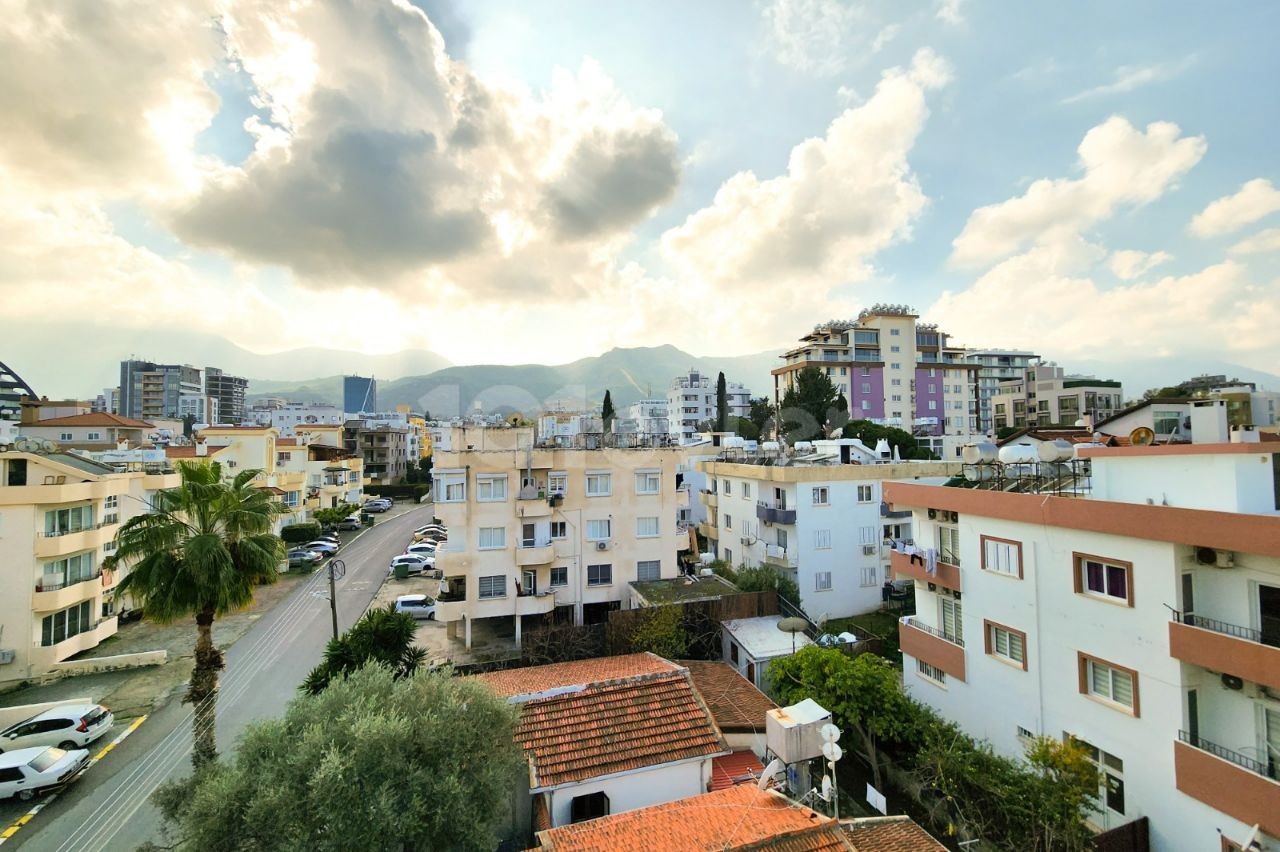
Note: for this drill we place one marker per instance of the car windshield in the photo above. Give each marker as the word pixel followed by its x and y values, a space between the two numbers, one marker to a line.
pixel 47 758
pixel 92 717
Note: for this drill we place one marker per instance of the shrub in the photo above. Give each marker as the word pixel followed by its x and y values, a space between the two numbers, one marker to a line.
pixel 300 533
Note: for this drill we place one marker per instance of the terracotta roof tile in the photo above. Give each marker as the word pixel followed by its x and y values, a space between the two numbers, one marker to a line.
pixel 95 418
pixel 736 704
pixel 187 452
pixel 818 838
pixel 732 818
pixel 737 768
pixel 890 834
pixel 534 679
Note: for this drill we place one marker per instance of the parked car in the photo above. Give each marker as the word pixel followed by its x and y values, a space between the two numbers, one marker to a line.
pixel 419 606
pixel 349 523
pixel 68 727
pixel 414 563
pixel 28 771
pixel 429 529
pixel 431 535
pixel 426 548
pixel 327 548
pixel 377 506
pixel 301 557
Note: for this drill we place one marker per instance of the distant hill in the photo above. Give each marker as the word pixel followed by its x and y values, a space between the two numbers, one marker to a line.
pixel 629 374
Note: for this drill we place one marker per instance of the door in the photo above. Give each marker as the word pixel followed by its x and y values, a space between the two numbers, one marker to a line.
pixel 1188 599
pixel 1271 719
pixel 949 618
pixel 529 582
pixel 1269 614
pixel 526 535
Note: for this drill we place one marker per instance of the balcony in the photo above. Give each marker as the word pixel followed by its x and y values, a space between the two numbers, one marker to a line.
pixel 708 530
pixel 948 574
pixel 45 656
pixel 1227 781
pixel 710 499
pixel 532 502
pixel 1223 647
pixel 927 643
pixel 772 514
pixel 535 603
pixel 65 543
pixel 52 595
pixel 777 556
pixel 682 536
pixel 531 553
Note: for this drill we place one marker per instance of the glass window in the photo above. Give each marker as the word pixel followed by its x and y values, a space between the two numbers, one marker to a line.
pixel 599 575
pixel 820 495
pixel 648 570
pixel 821 539
pixel 1006 644
pixel 949 613
pixel 933 673
pixel 1109 682
pixel 558 529
pixel 1104 579
pixel 560 576
pixel 1002 557
pixel 727 523
pixel 493 538
pixel 453 489
pixel 599 484
pixel 646 527
pixel 822 581
pixel 598 530
pixel 726 487
pixel 493 587
pixel 866 493
pixel 648 482
pixel 491 489
pixel 557 483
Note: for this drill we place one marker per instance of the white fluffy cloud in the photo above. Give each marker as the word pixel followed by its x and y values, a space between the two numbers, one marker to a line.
pixel 1128 264
pixel 1122 166
pixel 1256 199
pixel 1263 242
pixel 813 35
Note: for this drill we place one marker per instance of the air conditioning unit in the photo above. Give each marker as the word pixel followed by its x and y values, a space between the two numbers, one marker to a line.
pixel 746 539
pixel 7 655
pixel 1216 558
pixel 868 550
pixel 602 545
pixel 933 514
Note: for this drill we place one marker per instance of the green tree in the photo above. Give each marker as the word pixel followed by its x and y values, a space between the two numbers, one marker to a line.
pixel 870 434
pixel 761 413
pixel 808 405
pixel 763 578
pixel 1171 392
pixel 840 416
pixel 373 763
pixel 1005 431
pixel 722 404
pixel 382 636
pixel 661 630
pixel 300 533
pixel 335 514
pixel 744 428
pixel 607 414
pixel 200 551
pixel 861 692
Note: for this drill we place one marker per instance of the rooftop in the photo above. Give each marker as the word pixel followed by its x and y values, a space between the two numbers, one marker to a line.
pixel 188 452
pixel 95 418
pixel 683 589
pixel 734 701
pixel 537 679
pixel 889 834
pixel 740 767
pixel 761 638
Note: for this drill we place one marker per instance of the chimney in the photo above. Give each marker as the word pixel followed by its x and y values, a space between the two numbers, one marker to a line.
pixel 30 410
pixel 202 449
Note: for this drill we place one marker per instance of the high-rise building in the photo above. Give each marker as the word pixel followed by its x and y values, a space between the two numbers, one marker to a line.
pixel 359 394
pixel 12 390
pixel 692 400
pixel 994 366
pixel 1044 395
pixel 229 391
pixel 150 390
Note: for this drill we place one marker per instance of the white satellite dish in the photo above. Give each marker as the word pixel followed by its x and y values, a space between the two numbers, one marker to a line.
pixel 23 445
pixel 832 751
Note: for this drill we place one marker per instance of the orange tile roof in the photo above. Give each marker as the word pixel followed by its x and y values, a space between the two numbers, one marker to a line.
pixel 95 418
pixel 737 768
pixel 890 834
pixel 818 838
pixel 188 452
pixel 732 818
pixel 535 679
pixel 736 704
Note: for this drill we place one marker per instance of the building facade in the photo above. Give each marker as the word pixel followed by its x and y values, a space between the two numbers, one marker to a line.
pixel 385 446
pixel 692 400
pixel 228 391
pixel 149 390
pixel 995 366
pixel 1046 396
pixel 359 394
pixel 541 530
pixel 296 415
pixel 1142 620
pixel 12 390
pixel 650 416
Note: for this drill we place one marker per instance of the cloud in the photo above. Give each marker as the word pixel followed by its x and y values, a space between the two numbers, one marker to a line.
pixel 1255 199
pixel 1129 77
pixel 949 11
pixel 386 162
pixel 1121 166
pixel 844 197
pixel 1263 242
pixel 815 36
pixel 1129 264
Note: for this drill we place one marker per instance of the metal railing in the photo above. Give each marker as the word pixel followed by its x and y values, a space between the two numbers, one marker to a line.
pixel 105 522
pixel 47 585
pixel 1248 634
pixel 530 543
pixel 1257 767
pixel 910 621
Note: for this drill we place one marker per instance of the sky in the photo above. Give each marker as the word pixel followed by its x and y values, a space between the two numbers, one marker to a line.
pixel 506 181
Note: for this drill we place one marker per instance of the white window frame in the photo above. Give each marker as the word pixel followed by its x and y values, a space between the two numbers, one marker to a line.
pixel 559 526
pixel 491 488
pixel 598 479
pixel 870 576
pixel 1003 643
pixel 931 673
pixel 564 569
pixel 593 529
pixel 450 486
pixel 491 538
pixel 648 482
pixel 822 539
pixel 821 495
pixel 646 565
pixel 866 493
pixel 822 581
pixel 557 482
pixel 607 581
pixel 648 527
pixel 497 584
pixel 1001 557
pixel 1110 674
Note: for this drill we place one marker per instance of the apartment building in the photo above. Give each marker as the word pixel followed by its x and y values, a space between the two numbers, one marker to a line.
pixel 692 400
pixel 1142 619
pixel 821 522
pixel 542 530
pixel 383 446
pixel 227 392
pixel 149 390
pixel 290 415
pixel 12 390
pixel 91 431
pixel 995 366
pixel 359 394
pixel 651 416
pixel 59 514
pixel 1045 395
pixel 894 371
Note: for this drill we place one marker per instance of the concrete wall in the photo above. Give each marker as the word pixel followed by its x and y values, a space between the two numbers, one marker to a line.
pixel 636 789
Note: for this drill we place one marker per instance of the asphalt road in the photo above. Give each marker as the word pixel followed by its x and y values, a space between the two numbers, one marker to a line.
pixel 108 808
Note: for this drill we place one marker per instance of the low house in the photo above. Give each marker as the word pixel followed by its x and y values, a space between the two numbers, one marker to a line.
pixel 607 735
pixel 736 704
pixel 751 643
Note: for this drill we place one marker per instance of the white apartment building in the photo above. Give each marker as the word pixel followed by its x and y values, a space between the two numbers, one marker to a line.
pixel 822 524
pixel 1045 396
pixel 59 514
pixel 692 400
pixel 286 418
pixel 995 366
pixel 536 529
pixel 1142 619
pixel 650 416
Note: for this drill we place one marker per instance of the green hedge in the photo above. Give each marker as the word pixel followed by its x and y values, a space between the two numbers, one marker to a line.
pixel 300 533
pixel 397 491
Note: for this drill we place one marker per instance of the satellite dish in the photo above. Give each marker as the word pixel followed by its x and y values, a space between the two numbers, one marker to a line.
pixel 1143 436
pixel 23 445
pixel 515 418
pixel 832 751
pixel 793 624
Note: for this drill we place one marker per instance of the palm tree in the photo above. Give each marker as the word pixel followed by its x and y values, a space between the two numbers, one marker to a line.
pixel 200 551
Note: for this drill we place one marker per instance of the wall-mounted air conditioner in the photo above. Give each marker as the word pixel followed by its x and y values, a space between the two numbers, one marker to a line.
pixel 1216 558
pixel 7 655
pixel 602 545
pixel 868 550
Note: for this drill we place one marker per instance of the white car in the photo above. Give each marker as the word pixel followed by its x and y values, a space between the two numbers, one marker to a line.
pixel 419 606
pixel 416 563
pixel 328 548
pixel 68 727
pixel 423 548
pixel 28 771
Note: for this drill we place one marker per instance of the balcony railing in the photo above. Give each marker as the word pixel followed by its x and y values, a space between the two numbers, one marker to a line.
pixel 1249 634
pixel 45 584
pixel 772 514
pixel 105 522
pixel 1257 767
pixel 911 621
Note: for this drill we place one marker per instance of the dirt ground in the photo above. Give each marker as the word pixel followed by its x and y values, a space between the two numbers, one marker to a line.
pixel 486 640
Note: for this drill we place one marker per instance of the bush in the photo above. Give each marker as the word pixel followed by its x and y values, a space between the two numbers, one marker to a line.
pixel 336 513
pixel 763 578
pixel 300 533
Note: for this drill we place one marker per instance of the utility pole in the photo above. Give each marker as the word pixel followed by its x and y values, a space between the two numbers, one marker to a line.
pixel 337 570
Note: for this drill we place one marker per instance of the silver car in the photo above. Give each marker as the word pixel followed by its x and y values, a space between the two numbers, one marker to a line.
pixel 28 771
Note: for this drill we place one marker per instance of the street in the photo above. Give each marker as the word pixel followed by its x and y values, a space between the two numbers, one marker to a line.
pixel 108 808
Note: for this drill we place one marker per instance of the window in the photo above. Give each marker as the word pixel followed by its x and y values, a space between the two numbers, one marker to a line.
pixel 895 348
pixel 63 521
pixel 646 527
pixel 866 405
pixel 648 482
pixel 895 366
pixel 949 545
pixel 291 499
pixel 870 576
pixel 493 587
pixel 599 575
pixel 866 387
pixel 599 484
pixel 726 487
pixel 780 536
pixel 67 572
pixel 897 383
pixel 491 489
pixel 1002 556
pixel 746 491
pixel 599 530
pixel 557 483
pixel 733 651
pixel 820 495
pixel 950 616
pixel 932 673
pixel 728 521
pixel 897 397
pixel 822 581
pixel 647 570
pixel 1006 644
pixel 588 807
pixel 728 555
pixel 893 332
pixel 1104 578
pixel 65 624
pixel 65 436
pixel 560 576
pixel 282 459
pixel 866 493
pixel 821 539
pixel 1109 682
pixel 453 488
pixel 112 502
pixel 558 529
pixel 493 538
pixel 933 387
pixel 866 371
pixel 933 405
pixel 1111 777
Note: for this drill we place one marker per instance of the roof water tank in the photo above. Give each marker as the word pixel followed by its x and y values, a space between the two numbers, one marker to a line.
pixel 1056 450
pixel 979 474
pixel 770 447
pixel 733 443
pixel 1075 449
pixel 794 733
pixel 1018 454
pixel 804 446
pixel 983 452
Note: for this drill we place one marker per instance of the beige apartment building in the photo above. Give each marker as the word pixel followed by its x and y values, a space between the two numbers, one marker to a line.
pixel 542 531
pixel 59 514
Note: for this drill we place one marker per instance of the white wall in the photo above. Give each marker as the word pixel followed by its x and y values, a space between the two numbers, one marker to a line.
pixel 1225 482
pixel 639 789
